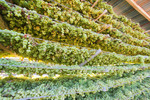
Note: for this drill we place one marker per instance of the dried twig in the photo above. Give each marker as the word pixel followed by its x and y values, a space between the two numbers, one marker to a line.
pixel 95 3
pixel 147 38
pixel 105 11
pixel 146 31
pixel 106 27
pixel 97 52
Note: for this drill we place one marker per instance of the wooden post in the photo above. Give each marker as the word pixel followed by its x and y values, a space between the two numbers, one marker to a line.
pixel 107 26
pixel 147 38
pixel 105 11
pixel 95 3
pixel 139 9
pixel 97 52
pixel 147 31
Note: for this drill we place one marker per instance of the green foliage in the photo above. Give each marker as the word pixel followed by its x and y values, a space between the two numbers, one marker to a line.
pixel 86 9
pixel 30 22
pixel 63 87
pixel 125 20
pixel 4 5
pixel 137 91
pixel 126 77
pixel 26 46
pixel 11 66
pixel 67 15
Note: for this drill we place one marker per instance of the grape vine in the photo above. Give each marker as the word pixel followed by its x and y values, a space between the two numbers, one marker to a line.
pixel 55 12
pixel 26 88
pixel 25 46
pixel 71 50
pixel 125 20
pixel 11 66
pixel 86 9
pixel 63 32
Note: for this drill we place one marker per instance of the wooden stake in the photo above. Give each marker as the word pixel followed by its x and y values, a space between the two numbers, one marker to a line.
pixel 105 28
pixel 147 31
pixel 147 38
pixel 95 3
pixel 97 52
pixel 105 11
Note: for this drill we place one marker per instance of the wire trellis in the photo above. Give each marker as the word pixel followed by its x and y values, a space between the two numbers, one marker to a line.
pixel 63 22
pixel 63 68
pixel 103 89
pixel 62 43
pixel 79 68
pixel 90 18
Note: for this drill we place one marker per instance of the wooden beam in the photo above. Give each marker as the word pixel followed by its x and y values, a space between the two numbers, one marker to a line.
pixel 139 9
pixel 95 3
pixel 105 11
pixel 143 3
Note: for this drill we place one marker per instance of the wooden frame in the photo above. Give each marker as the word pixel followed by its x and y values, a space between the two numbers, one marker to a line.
pixel 139 9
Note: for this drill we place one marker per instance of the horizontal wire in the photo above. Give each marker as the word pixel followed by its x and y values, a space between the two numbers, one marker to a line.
pixel 104 89
pixel 80 68
pixel 58 20
pixel 52 95
pixel 7 31
pixel 52 67
pixel 110 14
pixel 34 12
pixel 93 19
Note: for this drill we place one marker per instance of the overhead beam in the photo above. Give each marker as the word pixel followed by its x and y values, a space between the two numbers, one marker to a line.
pixel 139 9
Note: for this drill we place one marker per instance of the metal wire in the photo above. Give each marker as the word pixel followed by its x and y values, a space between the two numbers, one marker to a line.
pixel 89 17
pixel 52 95
pixel 62 43
pixel 69 94
pixel 69 24
pixel 104 89
pixel 80 68
pixel 52 67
